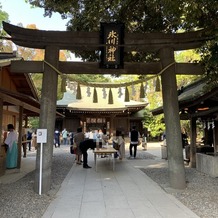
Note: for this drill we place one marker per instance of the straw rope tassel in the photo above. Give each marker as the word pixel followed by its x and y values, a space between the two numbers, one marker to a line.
pixel 63 83
pixel 113 85
pixel 110 97
pixel 78 92
pixel 157 88
pixel 142 91
pixel 95 96
pixel 126 95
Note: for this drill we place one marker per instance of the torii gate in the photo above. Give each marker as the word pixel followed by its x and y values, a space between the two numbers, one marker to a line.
pixel 165 44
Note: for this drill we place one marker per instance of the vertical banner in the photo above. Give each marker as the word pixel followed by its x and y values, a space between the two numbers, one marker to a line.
pixel 112 37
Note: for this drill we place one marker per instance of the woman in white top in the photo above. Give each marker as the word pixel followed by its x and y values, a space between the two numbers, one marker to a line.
pixel 12 151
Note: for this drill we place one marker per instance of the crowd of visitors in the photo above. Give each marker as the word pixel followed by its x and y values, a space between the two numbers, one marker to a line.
pixel 96 138
pixel 80 140
pixel 63 137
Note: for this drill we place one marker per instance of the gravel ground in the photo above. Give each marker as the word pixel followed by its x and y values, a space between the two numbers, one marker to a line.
pixel 18 200
pixel 201 194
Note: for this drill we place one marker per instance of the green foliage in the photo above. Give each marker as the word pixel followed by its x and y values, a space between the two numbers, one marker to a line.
pixel 190 56
pixel 88 78
pixel 139 16
pixel 3 17
pixel 209 57
pixel 37 80
pixel 187 56
pixel 33 122
pixel 154 124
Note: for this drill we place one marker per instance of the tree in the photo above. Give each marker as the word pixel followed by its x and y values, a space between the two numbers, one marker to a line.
pixel 209 54
pixel 138 16
pixel 155 124
pixel 3 17
pixel 187 56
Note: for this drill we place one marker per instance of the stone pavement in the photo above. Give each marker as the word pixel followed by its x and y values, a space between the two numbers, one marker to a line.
pixel 126 192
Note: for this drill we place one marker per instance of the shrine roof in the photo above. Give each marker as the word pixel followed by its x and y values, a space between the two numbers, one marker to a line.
pixel 17 88
pixel 86 103
pixel 197 99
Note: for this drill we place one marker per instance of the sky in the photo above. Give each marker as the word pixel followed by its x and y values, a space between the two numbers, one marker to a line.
pixel 21 12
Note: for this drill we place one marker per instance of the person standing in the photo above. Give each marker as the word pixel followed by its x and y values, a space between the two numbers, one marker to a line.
pixel 78 138
pixel 121 143
pixel 29 138
pixel 71 138
pixel 24 143
pixel 34 139
pixel 87 134
pixel 12 150
pixel 57 138
pixel 134 138
pixel 84 146
pixel 64 136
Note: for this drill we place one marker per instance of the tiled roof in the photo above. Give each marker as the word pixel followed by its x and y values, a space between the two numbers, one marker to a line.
pixel 195 95
pixel 192 91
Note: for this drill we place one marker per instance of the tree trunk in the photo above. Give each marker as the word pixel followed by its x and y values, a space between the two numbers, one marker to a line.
pixel 47 118
pixel 172 121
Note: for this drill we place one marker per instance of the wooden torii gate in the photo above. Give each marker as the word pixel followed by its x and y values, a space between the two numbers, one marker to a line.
pixel 164 44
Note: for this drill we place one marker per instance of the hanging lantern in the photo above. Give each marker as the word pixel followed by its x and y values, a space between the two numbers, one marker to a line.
pixel 142 91
pixel 145 87
pixel 63 83
pixel 126 95
pixel 110 97
pixel 157 88
pixel 78 92
pixel 95 96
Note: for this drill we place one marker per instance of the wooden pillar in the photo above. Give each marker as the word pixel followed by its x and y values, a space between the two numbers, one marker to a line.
pixel 2 149
pixel 215 136
pixel 112 116
pixel 25 122
pixel 172 121
pixel 128 124
pixel 47 117
pixel 1 119
pixel 19 144
pixel 193 143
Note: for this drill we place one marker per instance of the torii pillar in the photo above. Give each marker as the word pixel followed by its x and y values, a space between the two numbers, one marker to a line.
pixel 47 117
pixel 172 120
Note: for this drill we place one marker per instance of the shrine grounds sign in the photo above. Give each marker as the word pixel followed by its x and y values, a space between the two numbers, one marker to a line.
pixel 112 38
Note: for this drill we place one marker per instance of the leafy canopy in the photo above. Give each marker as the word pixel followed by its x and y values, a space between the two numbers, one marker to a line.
pixel 138 15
